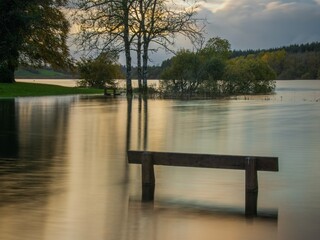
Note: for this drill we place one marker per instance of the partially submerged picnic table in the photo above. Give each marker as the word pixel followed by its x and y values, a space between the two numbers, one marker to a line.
pixel 251 164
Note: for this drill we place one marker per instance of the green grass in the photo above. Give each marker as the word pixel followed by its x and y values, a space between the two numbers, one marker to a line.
pixel 9 90
pixel 39 73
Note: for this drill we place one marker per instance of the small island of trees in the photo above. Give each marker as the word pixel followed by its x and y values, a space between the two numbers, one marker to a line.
pixel 209 72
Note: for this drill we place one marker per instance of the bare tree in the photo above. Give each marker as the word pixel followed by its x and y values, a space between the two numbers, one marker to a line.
pixel 103 25
pixel 129 25
pixel 159 21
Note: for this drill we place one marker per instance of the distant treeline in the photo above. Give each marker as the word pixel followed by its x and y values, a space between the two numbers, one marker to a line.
pixel 294 48
pixel 297 61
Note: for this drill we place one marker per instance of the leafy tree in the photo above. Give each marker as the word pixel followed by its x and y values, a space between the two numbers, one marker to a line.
pixel 218 48
pixel 32 32
pixel 248 76
pixel 100 71
pixel 214 69
pixel 209 72
pixel 301 66
pixel 215 54
pixel 185 73
pixel 289 62
pixel 275 60
pixel 195 72
pixel 237 78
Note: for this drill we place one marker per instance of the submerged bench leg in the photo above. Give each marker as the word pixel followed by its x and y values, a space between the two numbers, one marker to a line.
pixel 251 187
pixel 148 180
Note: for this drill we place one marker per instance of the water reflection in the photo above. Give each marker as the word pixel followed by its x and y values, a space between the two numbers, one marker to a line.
pixel 31 148
pixel 141 123
pixel 8 136
pixel 167 221
pixel 65 175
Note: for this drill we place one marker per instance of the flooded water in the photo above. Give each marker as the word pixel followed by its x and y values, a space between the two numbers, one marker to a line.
pixel 64 172
pixel 74 82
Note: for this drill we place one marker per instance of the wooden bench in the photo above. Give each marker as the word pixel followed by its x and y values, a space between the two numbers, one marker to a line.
pixel 251 164
pixel 113 91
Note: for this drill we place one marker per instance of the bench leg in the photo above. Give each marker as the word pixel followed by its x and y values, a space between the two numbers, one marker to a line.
pixel 251 204
pixel 148 179
pixel 251 187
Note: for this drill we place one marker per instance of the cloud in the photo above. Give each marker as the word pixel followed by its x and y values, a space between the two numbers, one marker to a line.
pixel 256 24
pixel 279 6
pixel 214 6
pixel 249 24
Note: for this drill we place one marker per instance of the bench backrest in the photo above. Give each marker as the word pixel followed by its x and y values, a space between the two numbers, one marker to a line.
pixel 203 160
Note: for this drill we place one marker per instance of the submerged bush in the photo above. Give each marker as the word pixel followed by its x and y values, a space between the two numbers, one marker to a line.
pixel 248 76
pixel 254 77
pixel 100 71
pixel 209 73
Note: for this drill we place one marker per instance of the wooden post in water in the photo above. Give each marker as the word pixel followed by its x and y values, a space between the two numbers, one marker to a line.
pixel 148 179
pixel 251 186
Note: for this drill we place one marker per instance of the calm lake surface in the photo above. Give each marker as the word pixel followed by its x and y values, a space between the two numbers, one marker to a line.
pixel 64 173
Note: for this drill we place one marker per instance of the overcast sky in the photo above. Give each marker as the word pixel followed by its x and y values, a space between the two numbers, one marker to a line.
pixel 258 24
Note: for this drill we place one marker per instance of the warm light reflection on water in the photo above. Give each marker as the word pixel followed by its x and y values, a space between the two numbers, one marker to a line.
pixel 64 175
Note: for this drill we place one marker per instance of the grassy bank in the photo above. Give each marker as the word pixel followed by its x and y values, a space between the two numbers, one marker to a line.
pixel 8 90
pixel 40 74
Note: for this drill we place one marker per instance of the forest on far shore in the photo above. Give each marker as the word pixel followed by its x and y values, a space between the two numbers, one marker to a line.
pixel 298 61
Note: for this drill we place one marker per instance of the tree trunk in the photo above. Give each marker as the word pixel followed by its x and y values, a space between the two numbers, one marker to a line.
pixel 145 67
pixel 147 37
pixel 129 69
pixel 146 42
pixel 7 69
pixel 139 64
pixel 126 38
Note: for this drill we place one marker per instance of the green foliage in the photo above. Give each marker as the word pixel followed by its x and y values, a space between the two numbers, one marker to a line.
pixel 217 47
pixel 34 89
pixel 290 62
pixel 32 32
pixel 196 72
pixel 275 60
pixel 248 76
pixel 294 48
pixel 301 66
pixel 208 63
pixel 185 73
pixel 100 71
pixel 208 72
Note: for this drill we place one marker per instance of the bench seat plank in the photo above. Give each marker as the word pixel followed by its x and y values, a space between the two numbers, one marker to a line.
pixel 204 160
